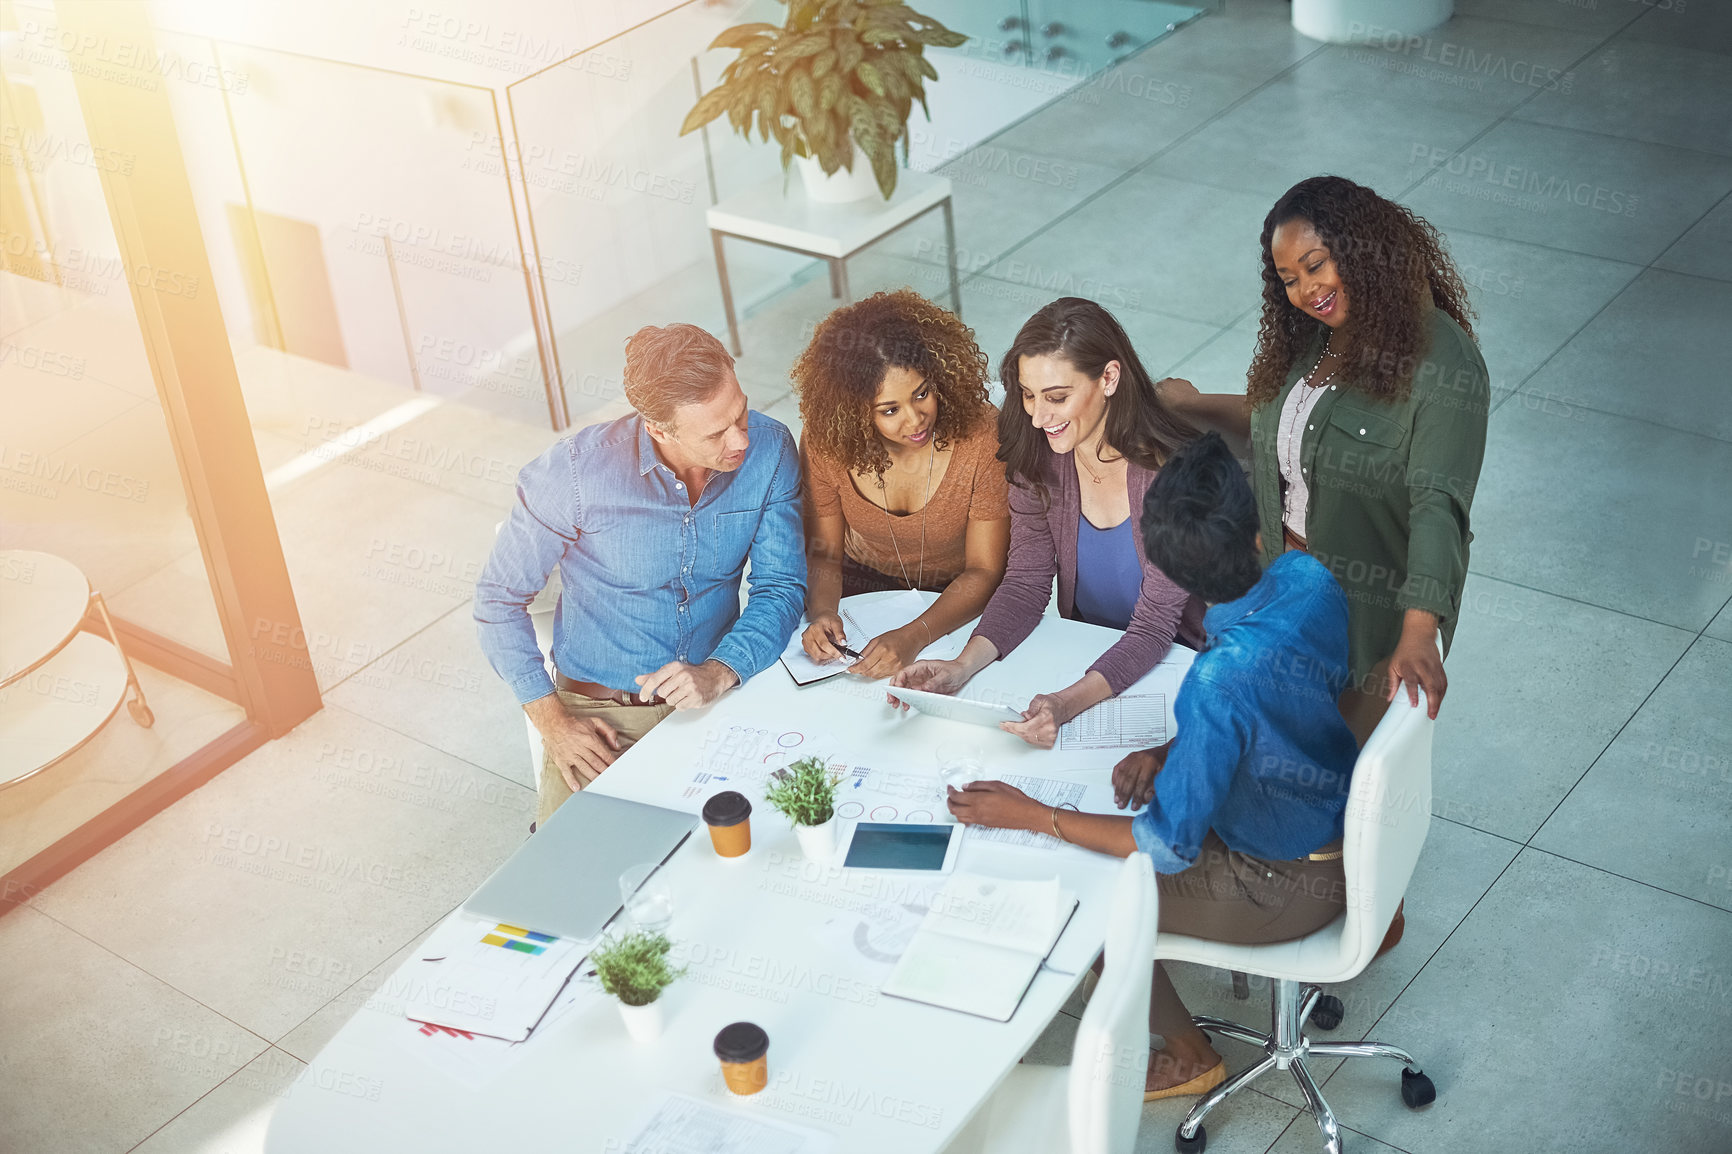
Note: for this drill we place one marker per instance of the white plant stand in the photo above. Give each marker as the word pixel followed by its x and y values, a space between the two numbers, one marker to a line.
pixel 790 220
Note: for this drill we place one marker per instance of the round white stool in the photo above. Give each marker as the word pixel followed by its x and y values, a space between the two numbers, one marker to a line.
pixel 1355 21
pixel 58 685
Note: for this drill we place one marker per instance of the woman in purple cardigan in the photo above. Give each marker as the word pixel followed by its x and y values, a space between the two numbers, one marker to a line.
pixel 1081 436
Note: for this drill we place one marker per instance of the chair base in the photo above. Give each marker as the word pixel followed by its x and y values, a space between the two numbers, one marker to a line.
pixel 1285 1047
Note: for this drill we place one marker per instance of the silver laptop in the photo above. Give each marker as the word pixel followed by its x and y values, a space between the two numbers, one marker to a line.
pixel 565 879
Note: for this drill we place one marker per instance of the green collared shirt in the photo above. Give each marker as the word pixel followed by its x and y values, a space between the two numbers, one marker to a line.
pixel 1390 485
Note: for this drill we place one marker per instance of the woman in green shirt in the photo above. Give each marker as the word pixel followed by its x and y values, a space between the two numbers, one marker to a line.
pixel 1365 411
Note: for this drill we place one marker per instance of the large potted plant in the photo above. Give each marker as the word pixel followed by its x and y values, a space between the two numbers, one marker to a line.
pixel 634 968
pixel 805 793
pixel 834 85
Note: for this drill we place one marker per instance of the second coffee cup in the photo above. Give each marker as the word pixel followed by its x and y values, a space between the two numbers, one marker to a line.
pixel 729 814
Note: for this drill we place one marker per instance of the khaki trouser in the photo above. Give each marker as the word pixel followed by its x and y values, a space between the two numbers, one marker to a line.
pixel 1228 896
pixel 630 721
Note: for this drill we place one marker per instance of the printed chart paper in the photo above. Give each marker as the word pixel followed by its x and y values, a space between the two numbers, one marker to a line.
pixel 1053 792
pixel 1134 721
pixel 683 1125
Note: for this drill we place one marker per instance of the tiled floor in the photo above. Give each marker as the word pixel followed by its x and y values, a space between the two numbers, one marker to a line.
pixel 1567 971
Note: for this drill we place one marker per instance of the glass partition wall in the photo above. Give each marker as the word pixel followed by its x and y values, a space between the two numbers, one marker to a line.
pixel 136 553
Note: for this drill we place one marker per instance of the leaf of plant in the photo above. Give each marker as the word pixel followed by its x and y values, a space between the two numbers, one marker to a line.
pixel 895 87
pixel 848 51
pixel 883 160
pixel 829 91
pixel 802 94
pixel 765 98
pixel 739 34
pixel 740 107
pixel 810 44
pixel 870 77
pixel 711 105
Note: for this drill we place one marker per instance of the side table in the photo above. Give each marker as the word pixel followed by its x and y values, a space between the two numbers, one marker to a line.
pixel 765 214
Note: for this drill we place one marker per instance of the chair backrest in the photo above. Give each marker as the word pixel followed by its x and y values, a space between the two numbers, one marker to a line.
pixel 1388 814
pixel 1111 1055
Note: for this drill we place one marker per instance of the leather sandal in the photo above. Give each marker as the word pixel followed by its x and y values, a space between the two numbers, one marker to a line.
pixel 1201 1084
pixel 1392 937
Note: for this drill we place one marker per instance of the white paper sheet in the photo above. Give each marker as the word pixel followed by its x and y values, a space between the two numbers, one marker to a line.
pixel 867 618
pixel 862 620
pixel 1056 792
pixel 1134 721
pixel 483 978
pixel 682 1125
pixel 802 668
pixel 1019 915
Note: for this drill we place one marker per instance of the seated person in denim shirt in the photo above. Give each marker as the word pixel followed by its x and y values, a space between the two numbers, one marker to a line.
pixel 1245 805
pixel 650 519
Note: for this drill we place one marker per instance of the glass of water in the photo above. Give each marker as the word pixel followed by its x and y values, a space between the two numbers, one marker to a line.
pixel 648 901
pixel 959 762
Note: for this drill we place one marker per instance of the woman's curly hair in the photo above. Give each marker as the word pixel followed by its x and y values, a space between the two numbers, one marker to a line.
pixel 1389 260
pixel 838 375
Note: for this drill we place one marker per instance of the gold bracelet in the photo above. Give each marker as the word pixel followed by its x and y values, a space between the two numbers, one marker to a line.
pixel 1056 832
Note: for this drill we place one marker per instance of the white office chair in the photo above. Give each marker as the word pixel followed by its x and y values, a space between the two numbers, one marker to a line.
pixel 1093 1105
pixel 542 619
pixel 541 616
pixel 1388 813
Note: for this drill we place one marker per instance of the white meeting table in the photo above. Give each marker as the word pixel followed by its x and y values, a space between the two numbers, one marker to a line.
pixel 766 938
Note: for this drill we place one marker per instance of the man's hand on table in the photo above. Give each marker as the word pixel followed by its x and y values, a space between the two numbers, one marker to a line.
pixel 581 746
pixel 686 686
pixel 1134 777
pixel 997 806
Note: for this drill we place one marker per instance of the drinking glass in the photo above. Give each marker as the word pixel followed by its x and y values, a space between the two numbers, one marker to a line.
pixel 648 901
pixel 959 762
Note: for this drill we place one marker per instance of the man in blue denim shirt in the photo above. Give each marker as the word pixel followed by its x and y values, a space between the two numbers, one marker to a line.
pixel 650 519
pixel 1245 805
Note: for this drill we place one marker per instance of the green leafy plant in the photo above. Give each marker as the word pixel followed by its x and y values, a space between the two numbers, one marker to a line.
pixel 835 70
pixel 635 968
pixel 805 791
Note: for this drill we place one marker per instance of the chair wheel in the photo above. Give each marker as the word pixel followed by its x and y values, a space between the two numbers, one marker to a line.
pixel 1417 1089
pixel 141 713
pixel 1328 1012
pixel 1186 1145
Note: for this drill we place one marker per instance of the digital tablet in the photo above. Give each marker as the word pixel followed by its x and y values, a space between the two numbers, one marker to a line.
pixel 955 708
pixel 884 845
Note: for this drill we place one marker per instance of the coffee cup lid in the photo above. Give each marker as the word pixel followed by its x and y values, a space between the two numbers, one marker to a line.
pixel 727 808
pixel 742 1042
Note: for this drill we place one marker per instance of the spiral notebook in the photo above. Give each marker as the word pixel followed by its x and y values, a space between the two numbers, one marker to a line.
pixel 862 622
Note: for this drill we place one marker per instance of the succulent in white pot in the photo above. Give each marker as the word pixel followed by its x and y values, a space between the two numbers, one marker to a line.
pixel 805 793
pixel 634 969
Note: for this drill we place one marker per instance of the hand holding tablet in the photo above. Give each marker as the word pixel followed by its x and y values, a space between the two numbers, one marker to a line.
pixel 954 708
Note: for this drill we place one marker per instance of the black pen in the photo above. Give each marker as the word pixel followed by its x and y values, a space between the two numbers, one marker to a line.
pixel 847 652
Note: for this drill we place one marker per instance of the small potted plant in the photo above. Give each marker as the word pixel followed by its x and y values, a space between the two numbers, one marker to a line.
pixel 805 792
pixel 635 969
pixel 834 85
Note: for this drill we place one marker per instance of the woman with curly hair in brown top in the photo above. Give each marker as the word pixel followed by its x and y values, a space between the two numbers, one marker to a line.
pixel 902 488
pixel 1366 410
